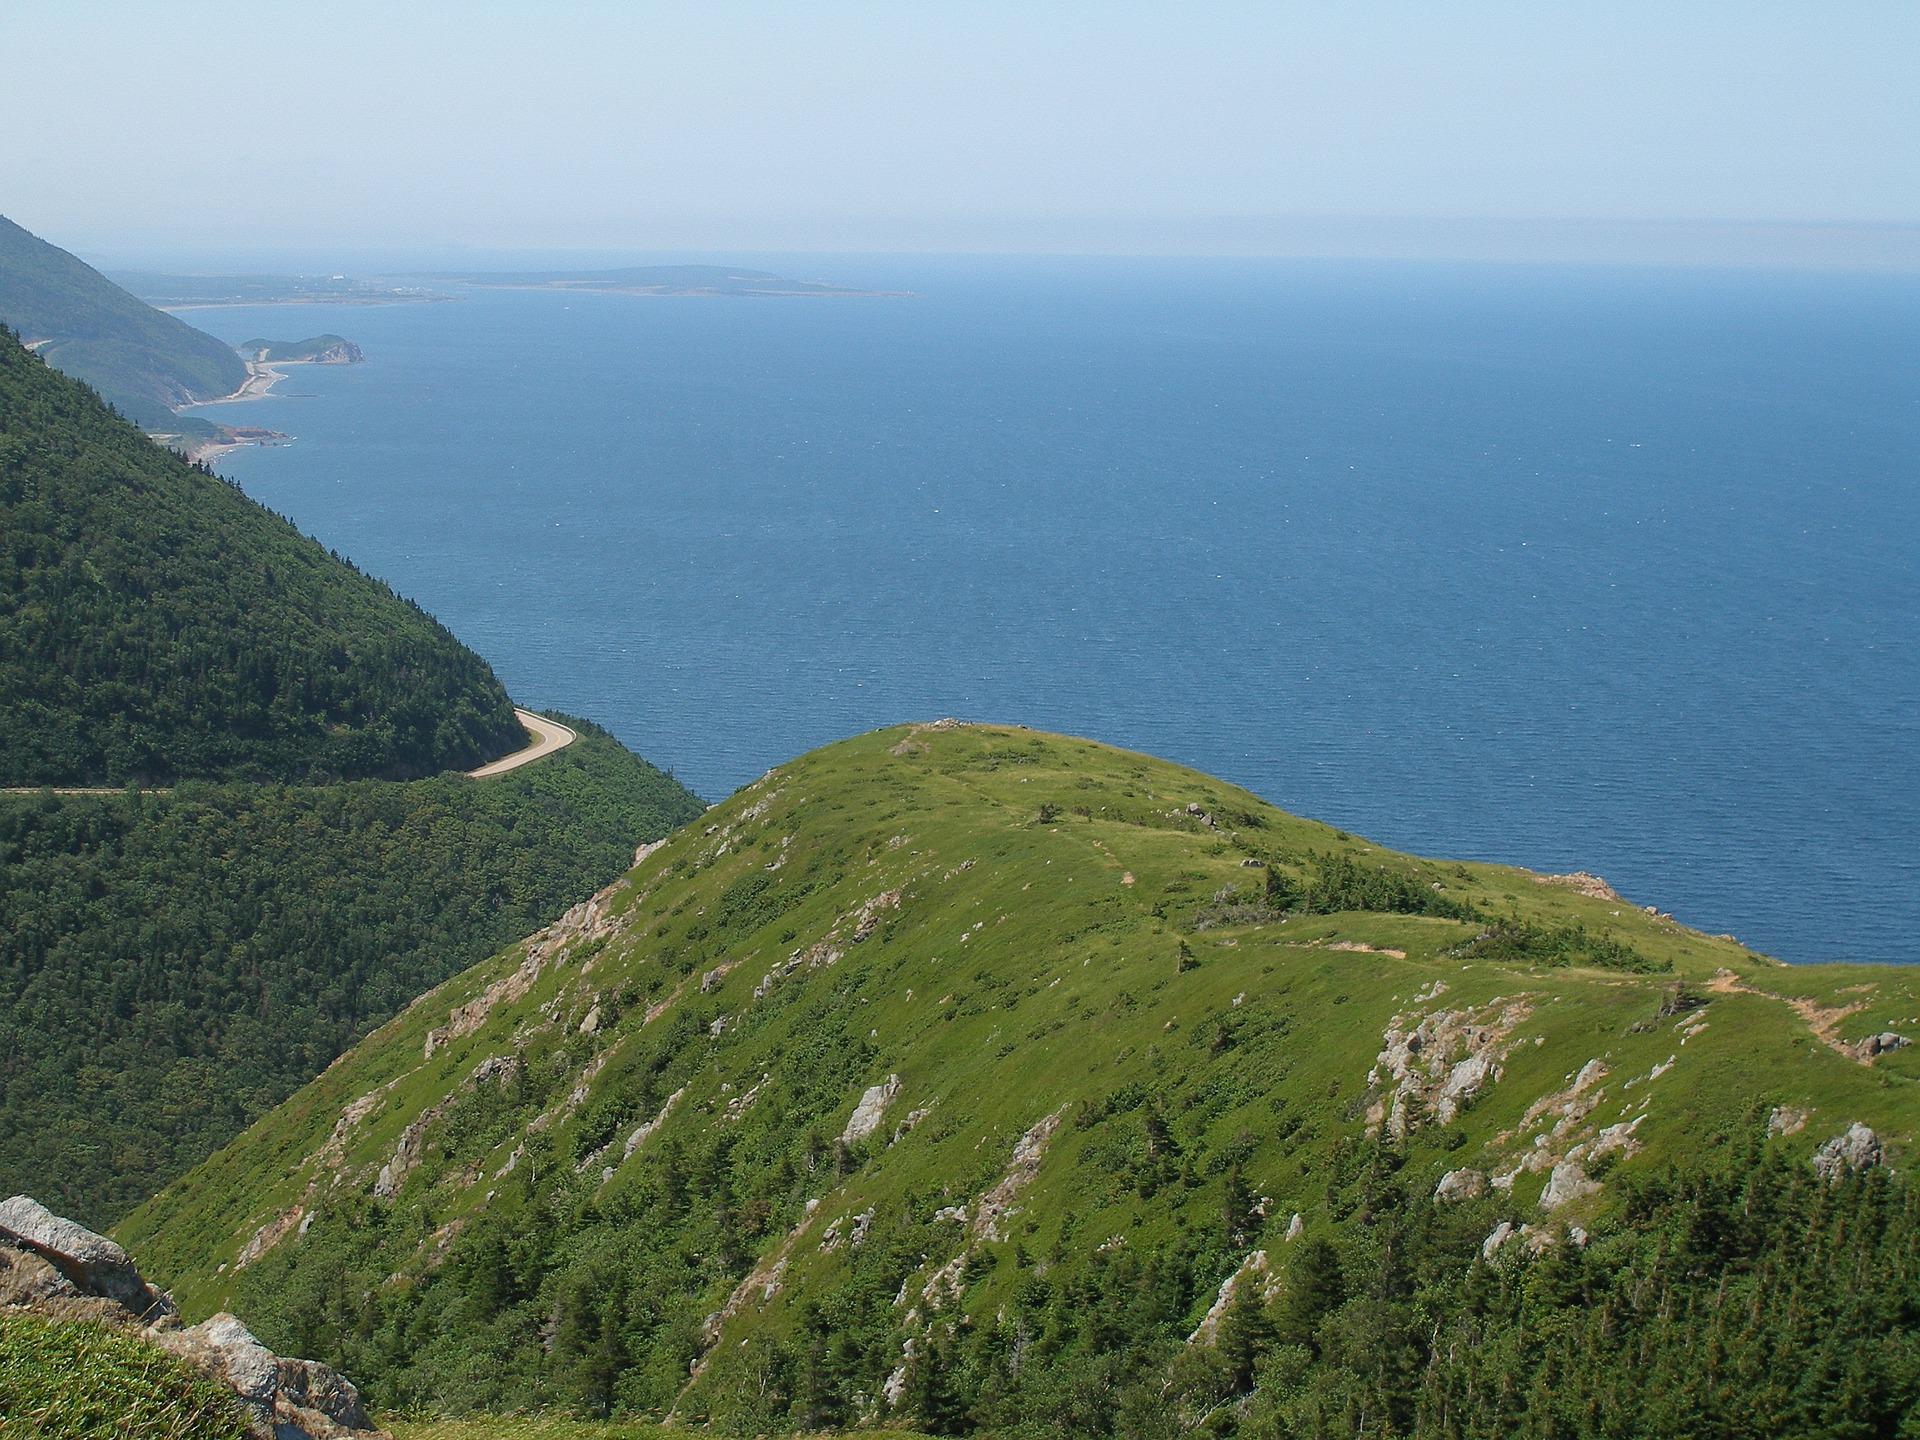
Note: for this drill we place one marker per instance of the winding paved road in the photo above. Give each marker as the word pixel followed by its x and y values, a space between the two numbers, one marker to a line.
pixel 548 736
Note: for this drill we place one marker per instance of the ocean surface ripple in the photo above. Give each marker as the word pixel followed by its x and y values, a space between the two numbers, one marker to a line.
pixel 1573 568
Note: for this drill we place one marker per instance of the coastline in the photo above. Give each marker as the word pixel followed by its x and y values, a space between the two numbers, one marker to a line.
pixel 655 292
pixel 230 438
pixel 175 307
pixel 262 376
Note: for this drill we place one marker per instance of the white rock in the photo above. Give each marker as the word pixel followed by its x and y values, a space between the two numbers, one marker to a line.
pixel 867 1114
pixel 1567 1183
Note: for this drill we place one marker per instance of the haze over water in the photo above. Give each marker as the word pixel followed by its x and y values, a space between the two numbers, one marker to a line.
pixel 1601 569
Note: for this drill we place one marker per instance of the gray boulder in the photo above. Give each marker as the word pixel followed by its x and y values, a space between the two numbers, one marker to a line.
pixel 1567 1183
pixel 94 1264
pixel 867 1114
pixel 1458 1185
pixel 54 1268
pixel 1855 1148
pixel 291 1397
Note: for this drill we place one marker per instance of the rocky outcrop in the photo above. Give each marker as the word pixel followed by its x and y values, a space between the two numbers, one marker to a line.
pixel 1253 1271
pixel 1458 1185
pixel 1855 1148
pixel 288 1398
pixel 54 1267
pixel 872 1108
pixel 1786 1120
pixel 1436 1066
pixel 1567 1183
pixel 997 1206
pixel 585 923
pixel 1874 1046
pixel 1581 882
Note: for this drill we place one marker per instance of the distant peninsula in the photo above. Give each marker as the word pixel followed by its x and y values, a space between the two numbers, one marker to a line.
pixel 314 350
pixel 205 292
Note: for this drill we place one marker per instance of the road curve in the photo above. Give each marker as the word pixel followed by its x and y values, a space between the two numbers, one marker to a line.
pixel 548 736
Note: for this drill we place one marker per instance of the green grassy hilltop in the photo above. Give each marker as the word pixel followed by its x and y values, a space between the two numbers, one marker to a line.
pixel 975 1079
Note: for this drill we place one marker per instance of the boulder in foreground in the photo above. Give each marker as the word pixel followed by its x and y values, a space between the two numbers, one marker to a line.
pixel 57 1270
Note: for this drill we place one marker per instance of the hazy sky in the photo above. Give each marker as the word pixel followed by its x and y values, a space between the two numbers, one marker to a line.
pixel 916 124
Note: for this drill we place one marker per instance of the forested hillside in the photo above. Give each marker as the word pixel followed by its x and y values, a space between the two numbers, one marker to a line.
pixel 977 1080
pixel 155 623
pixel 142 360
pixel 171 966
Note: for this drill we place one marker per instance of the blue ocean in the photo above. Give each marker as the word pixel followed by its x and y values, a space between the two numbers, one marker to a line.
pixel 1607 569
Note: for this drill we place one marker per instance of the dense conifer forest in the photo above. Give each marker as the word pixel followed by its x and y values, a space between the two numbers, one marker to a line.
pixel 156 624
pixel 173 965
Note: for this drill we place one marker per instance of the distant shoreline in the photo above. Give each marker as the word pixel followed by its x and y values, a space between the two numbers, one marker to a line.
pixel 654 292
pixel 234 439
pixel 174 309
pixel 262 376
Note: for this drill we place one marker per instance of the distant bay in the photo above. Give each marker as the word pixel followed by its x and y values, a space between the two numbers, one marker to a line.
pixel 1609 569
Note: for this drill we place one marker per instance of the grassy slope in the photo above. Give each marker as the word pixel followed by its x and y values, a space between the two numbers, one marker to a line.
pixel 141 359
pixel 75 1380
pixel 157 623
pixel 1029 969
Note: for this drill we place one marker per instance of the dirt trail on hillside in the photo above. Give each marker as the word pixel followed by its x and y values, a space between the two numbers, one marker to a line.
pixel 1822 1020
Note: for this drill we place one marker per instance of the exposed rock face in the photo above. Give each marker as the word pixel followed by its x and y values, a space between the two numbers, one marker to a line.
pixel 1437 1065
pixel 1581 882
pixel 584 923
pixel 997 1205
pixel 867 1114
pixel 289 1398
pixel 53 1267
pixel 1533 1239
pixel 1856 1148
pixel 1254 1271
pixel 1460 1185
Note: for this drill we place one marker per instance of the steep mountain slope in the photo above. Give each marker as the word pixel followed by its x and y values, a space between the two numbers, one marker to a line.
pixel 155 623
pixel 142 360
pixel 1008 1081
pixel 172 966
